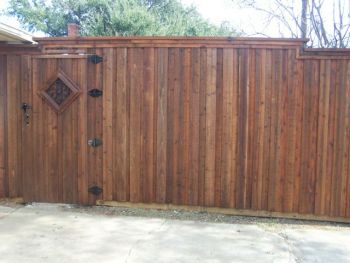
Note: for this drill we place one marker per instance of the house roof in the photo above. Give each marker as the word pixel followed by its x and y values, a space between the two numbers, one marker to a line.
pixel 12 35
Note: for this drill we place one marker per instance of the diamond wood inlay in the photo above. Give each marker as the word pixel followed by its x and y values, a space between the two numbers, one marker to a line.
pixel 60 92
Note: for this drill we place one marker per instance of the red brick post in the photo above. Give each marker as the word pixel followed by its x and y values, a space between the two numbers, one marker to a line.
pixel 73 30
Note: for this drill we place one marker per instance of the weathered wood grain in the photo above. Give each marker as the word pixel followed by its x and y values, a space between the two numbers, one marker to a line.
pixel 257 127
pixel 3 129
pixel 108 77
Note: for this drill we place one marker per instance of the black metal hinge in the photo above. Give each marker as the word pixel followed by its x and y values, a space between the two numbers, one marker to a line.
pixel 95 59
pixel 95 190
pixel 95 142
pixel 95 93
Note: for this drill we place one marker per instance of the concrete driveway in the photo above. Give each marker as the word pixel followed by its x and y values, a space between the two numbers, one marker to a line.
pixel 58 233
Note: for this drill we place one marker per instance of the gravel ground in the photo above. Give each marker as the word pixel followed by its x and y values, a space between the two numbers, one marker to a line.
pixel 269 223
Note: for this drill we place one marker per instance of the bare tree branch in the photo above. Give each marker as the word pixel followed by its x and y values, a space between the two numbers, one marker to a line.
pixel 308 19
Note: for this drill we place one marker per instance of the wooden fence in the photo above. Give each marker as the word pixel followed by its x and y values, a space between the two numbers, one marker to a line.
pixel 253 124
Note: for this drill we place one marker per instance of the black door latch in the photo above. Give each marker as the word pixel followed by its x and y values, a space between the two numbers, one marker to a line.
pixel 26 107
pixel 95 93
pixel 95 142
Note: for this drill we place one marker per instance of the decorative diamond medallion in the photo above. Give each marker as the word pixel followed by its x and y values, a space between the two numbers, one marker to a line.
pixel 60 92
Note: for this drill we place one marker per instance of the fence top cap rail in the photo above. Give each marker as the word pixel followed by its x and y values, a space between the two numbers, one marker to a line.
pixel 327 50
pixel 171 40
pixel 325 53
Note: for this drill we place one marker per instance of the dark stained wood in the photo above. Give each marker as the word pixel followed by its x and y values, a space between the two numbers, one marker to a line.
pixel 170 126
pixel 212 122
pixel 27 130
pixel 16 49
pixel 186 58
pixel 108 71
pixel 339 179
pixel 95 124
pixel 147 126
pixel 259 117
pixel 228 130
pixel 54 43
pixel 322 180
pixel 242 128
pixel 347 205
pixel 290 140
pixel 210 128
pixel 218 128
pixel 298 130
pixel 14 125
pixel 309 143
pixel 121 130
pixel 267 130
pixel 194 128
pixel 251 129
pixel 3 129
pixel 177 123
pixel 136 87
pixel 82 122
pixel 52 161
pixel 161 120
pixel 202 125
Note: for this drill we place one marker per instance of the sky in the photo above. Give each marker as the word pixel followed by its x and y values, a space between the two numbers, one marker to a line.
pixel 216 11
pixel 8 20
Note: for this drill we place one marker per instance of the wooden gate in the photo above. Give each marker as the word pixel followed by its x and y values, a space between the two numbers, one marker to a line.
pixel 54 130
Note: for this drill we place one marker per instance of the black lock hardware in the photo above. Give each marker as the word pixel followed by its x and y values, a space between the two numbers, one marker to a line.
pixel 95 59
pixel 95 93
pixel 26 107
pixel 95 190
pixel 95 142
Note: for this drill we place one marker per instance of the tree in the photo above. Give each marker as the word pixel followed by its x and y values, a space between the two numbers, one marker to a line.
pixel 325 23
pixel 114 17
pixel 303 26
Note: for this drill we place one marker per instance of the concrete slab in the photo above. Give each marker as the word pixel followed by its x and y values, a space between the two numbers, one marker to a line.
pixel 320 245
pixel 5 210
pixel 55 233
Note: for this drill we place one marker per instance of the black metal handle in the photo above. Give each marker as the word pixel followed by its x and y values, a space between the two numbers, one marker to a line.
pixel 26 107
